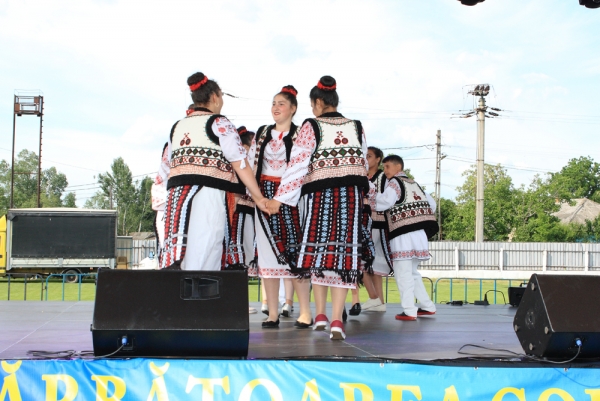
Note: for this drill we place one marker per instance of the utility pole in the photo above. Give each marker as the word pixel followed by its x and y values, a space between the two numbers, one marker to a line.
pixel 480 169
pixel 438 180
pixel 481 91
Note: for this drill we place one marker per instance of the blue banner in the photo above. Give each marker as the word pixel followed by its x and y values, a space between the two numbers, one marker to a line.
pixel 201 380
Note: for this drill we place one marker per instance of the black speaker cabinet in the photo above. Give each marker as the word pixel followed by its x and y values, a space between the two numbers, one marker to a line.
pixel 555 311
pixel 171 313
pixel 515 294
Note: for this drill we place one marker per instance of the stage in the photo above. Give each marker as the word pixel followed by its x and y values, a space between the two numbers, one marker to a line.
pixel 381 357
pixel 58 326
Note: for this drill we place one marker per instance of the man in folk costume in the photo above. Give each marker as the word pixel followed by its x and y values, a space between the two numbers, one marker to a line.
pixel 328 168
pixel 410 220
pixel 206 160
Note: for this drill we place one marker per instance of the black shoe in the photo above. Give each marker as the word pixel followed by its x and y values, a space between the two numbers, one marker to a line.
pixel 355 310
pixel 300 325
pixel 344 315
pixel 269 324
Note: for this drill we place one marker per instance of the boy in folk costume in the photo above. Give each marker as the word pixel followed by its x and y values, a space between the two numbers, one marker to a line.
pixel 206 160
pixel 410 221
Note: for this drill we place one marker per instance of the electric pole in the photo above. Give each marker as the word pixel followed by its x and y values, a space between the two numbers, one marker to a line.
pixel 438 180
pixel 481 91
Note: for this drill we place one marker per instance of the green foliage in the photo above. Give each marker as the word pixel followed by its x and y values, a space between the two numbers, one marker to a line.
pixel 131 198
pixel 580 178
pixel 52 186
pixel 524 214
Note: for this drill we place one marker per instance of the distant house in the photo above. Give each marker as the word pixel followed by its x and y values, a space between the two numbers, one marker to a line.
pixel 141 236
pixel 584 209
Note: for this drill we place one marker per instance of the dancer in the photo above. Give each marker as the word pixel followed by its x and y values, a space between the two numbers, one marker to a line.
pixel 206 160
pixel 410 220
pixel 277 235
pixel 382 266
pixel 328 167
pixel 240 252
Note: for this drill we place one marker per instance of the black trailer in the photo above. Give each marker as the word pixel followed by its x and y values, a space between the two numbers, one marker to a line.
pixel 60 240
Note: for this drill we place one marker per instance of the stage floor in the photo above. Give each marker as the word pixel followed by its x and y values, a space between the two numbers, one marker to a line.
pixel 60 326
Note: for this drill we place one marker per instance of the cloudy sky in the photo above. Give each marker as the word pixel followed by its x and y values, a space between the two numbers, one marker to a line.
pixel 113 74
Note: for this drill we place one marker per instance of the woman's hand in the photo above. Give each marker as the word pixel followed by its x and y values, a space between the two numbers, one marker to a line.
pixel 273 206
pixel 262 205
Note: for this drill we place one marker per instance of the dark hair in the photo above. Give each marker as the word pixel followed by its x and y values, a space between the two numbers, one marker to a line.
pixel 377 152
pixel 191 106
pixel 202 88
pixel 394 159
pixel 290 93
pixel 326 91
pixel 245 135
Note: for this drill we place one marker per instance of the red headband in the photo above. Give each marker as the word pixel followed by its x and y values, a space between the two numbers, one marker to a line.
pixel 289 90
pixel 198 84
pixel 326 88
pixel 242 131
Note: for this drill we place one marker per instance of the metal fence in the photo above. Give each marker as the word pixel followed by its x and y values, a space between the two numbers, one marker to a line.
pixel 489 259
pixel 511 259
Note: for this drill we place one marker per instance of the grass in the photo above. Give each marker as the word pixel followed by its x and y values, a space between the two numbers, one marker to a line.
pixel 86 291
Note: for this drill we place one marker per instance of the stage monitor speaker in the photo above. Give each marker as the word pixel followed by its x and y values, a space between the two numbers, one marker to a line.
pixel 555 311
pixel 173 313
pixel 515 294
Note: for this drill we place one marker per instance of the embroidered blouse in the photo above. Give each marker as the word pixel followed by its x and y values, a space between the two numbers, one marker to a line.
pixel 291 182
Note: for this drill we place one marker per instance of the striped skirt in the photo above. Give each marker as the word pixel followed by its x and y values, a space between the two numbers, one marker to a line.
pixel 332 236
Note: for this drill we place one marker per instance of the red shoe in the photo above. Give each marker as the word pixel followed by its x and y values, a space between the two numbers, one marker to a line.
pixel 404 316
pixel 423 312
pixel 337 331
pixel 321 323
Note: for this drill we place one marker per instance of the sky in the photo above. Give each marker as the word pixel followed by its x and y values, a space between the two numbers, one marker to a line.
pixel 113 74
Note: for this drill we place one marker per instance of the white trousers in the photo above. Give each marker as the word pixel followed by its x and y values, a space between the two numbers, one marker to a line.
pixel 206 231
pixel 410 285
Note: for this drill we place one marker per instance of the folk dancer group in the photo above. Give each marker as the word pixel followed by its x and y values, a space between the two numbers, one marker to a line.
pixel 304 203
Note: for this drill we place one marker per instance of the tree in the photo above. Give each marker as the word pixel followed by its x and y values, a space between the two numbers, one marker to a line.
pixel 580 178
pixel 131 199
pixel 52 188
pixel 497 193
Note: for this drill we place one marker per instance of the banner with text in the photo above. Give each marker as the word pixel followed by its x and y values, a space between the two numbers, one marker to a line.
pixel 240 380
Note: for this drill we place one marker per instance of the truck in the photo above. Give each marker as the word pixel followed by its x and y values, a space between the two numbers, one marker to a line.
pixel 66 241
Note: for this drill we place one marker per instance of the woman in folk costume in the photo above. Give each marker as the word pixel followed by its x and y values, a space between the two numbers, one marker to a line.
pixel 158 192
pixel 206 160
pixel 240 252
pixel 277 236
pixel 410 221
pixel 328 168
pixel 382 265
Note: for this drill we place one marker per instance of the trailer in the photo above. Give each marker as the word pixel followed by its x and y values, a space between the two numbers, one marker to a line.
pixel 58 240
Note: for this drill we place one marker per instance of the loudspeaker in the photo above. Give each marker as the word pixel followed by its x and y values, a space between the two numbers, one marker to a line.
pixel 173 313
pixel 555 311
pixel 515 294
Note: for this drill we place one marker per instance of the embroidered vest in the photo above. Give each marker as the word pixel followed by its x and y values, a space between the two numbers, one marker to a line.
pixel 197 158
pixel 412 212
pixel 379 179
pixel 338 160
pixel 264 136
